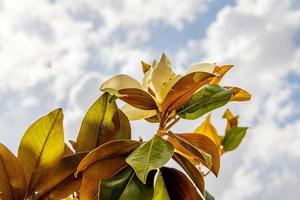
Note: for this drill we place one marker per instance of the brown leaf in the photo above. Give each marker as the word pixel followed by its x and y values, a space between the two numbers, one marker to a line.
pixel 145 66
pixel 205 144
pixel 138 98
pixel 65 188
pixel 178 185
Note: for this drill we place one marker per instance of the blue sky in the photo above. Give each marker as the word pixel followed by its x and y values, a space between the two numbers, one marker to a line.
pixel 56 54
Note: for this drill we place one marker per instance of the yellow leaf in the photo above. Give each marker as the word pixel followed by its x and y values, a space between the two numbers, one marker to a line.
pixel 202 67
pixel 136 114
pixel 232 121
pixel 206 128
pixel 145 66
pixel 119 82
pixel 41 148
pixel 12 178
pixel 239 94
pixel 221 71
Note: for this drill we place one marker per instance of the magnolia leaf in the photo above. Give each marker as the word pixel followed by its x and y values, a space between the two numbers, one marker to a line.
pixel 233 138
pixel 97 126
pixel 205 100
pixel 136 114
pixel 41 148
pixel 149 156
pixel 202 67
pixel 183 89
pixel 103 169
pixel 64 171
pixel 208 196
pixel 12 178
pixel 221 71
pixel 205 144
pixel 232 121
pixel 125 185
pixel 138 98
pixel 122 121
pixel 178 185
pixel 65 188
pixel 119 82
pixel 108 150
pixel 160 190
pixel 191 170
pixel 67 150
pixel 238 94
pixel 113 188
pixel 145 66
pixel 207 129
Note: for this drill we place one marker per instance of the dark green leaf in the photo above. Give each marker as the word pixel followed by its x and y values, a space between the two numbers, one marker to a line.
pixel 233 138
pixel 205 100
pixel 149 156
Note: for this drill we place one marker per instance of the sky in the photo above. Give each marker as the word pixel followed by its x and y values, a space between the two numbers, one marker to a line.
pixel 57 53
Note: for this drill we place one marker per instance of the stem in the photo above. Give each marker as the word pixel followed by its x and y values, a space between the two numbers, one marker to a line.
pixel 176 119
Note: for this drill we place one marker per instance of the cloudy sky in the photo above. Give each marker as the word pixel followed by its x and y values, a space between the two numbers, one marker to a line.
pixel 56 54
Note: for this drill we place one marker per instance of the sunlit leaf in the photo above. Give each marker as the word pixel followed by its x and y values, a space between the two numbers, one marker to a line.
pixel 138 98
pixel 64 171
pixel 97 126
pixel 183 89
pixel 119 82
pixel 205 100
pixel 149 156
pixel 191 170
pixel 108 150
pixel 160 190
pixel 178 185
pixel 232 121
pixel 12 178
pixel 238 94
pixel 233 138
pixel 41 148
pixel 207 129
pixel 205 144
pixel 124 128
pixel 221 71
pixel 137 114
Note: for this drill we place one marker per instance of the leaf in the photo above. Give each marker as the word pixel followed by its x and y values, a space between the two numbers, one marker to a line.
pixel 64 171
pixel 191 170
pixel 221 71
pixel 208 196
pixel 183 89
pixel 205 144
pixel 145 66
pixel 12 178
pixel 205 100
pixel 97 126
pixel 160 190
pixel 233 138
pixel 67 150
pixel 125 185
pixel 124 131
pixel 207 129
pixel 178 185
pixel 103 169
pixel 232 121
pixel 138 98
pixel 119 82
pixel 65 188
pixel 113 188
pixel 136 114
pixel 41 148
pixel 238 94
pixel 108 150
pixel 149 156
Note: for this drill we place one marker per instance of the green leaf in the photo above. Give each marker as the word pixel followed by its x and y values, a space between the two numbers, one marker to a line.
pixel 233 138
pixel 205 100
pixel 12 178
pixel 149 156
pixel 98 126
pixel 113 188
pixel 160 190
pixel 208 196
pixel 178 185
pixel 41 148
